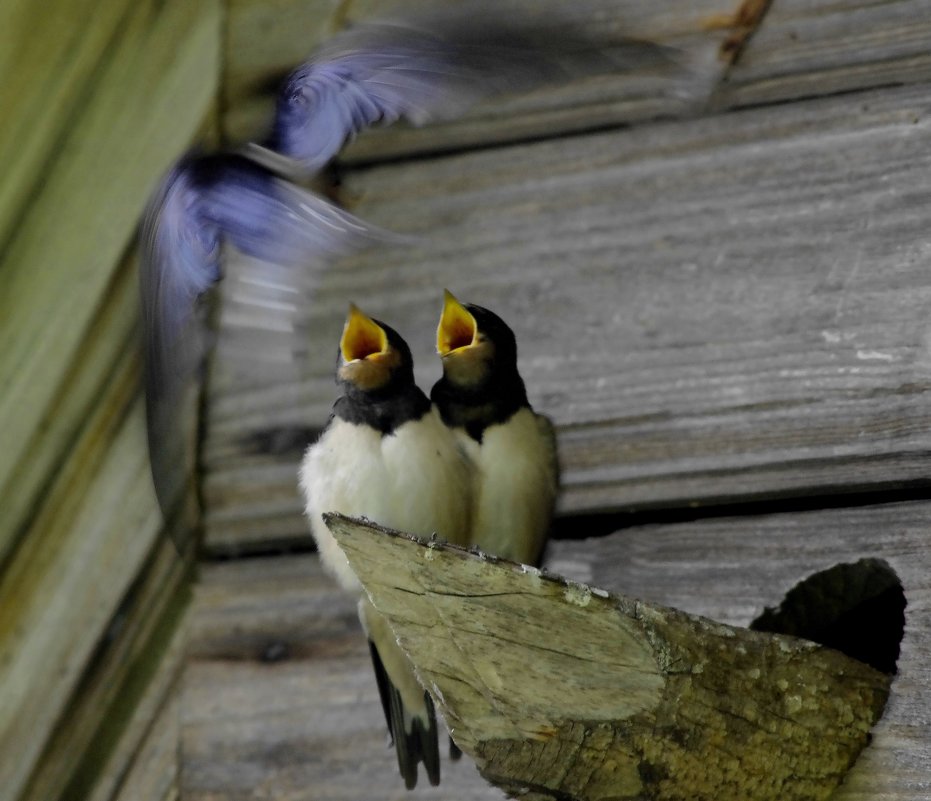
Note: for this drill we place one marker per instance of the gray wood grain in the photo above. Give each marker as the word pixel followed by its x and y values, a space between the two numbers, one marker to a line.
pixel 729 569
pixel 279 698
pixel 727 309
pixel 806 48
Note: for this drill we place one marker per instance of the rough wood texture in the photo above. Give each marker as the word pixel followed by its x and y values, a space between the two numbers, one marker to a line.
pixel 651 702
pixel 150 92
pixel 62 588
pixel 111 339
pixel 267 40
pixel 154 774
pixel 147 752
pixel 279 698
pixel 51 49
pixel 734 308
pixel 731 568
pixel 95 745
pixel 806 48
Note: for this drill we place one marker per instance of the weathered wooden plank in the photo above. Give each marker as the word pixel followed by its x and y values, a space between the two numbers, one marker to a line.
pixel 279 698
pixel 111 338
pixel 53 53
pixel 806 48
pixel 267 40
pixel 122 689
pixel 253 609
pixel 154 775
pixel 150 94
pixel 573 694
pixel 731 568
pixel 148 751
pixel 729 309
pixel 60 591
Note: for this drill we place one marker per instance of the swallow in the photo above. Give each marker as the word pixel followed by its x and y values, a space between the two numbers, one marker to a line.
pixel 204 201
pixel 386 455
pixel 430 69
pixel 372 74
pixel 483 401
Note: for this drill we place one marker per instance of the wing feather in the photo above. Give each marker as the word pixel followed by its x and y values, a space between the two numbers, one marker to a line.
pixel 431 69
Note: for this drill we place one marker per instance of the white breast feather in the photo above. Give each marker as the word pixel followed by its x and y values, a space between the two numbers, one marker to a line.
pixel 416 480
pixel 516 484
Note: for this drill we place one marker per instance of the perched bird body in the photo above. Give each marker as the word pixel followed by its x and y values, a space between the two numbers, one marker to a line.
pixel 386 455
pixel 482 399
pixel 412 477
pixel 515 486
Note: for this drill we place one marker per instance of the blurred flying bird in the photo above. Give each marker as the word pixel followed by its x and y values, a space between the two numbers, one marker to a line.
pixel 386 455
pixel 417 70
pixel 434 68
pixel 482 399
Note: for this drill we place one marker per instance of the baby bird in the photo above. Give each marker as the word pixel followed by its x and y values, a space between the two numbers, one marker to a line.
pixel 386 455
pixel 482 399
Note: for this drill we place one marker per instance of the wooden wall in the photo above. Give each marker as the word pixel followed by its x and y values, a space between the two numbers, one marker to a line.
pixel 99 98
pixel 720 289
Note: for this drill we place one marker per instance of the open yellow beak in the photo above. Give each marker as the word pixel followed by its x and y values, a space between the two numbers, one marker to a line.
pixel 457 328
pixel 362 336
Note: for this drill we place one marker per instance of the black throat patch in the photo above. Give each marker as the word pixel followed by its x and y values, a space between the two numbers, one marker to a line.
pixel 477 409
pixel 385 412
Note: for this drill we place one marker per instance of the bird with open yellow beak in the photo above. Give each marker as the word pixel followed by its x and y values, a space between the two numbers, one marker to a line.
pixel 482 400
pixel 386 455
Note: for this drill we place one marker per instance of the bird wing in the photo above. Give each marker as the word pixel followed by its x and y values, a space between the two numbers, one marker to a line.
pixel 430 69
pixel 180 254
pixel 203 201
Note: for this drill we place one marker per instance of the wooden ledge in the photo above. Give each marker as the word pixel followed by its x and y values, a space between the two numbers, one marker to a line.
pixel 561 691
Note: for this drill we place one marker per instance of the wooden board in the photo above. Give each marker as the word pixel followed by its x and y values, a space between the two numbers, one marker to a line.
pixel 149 96
pixel 154 774
pixel 54 53
pixel 111 339
pixel 279 698
pixel 730 569
pixel 806 49
pixel 727 310
pixel 129 678
pixel 147 753
pixel 61 590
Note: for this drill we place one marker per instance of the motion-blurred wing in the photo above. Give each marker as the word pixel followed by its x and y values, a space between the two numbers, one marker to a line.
pixel 203 201
pixel 380 72
pixel 180 252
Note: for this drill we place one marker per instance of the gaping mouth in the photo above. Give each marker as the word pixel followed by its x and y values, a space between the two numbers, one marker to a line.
pixel 457 328
pixel 362 336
